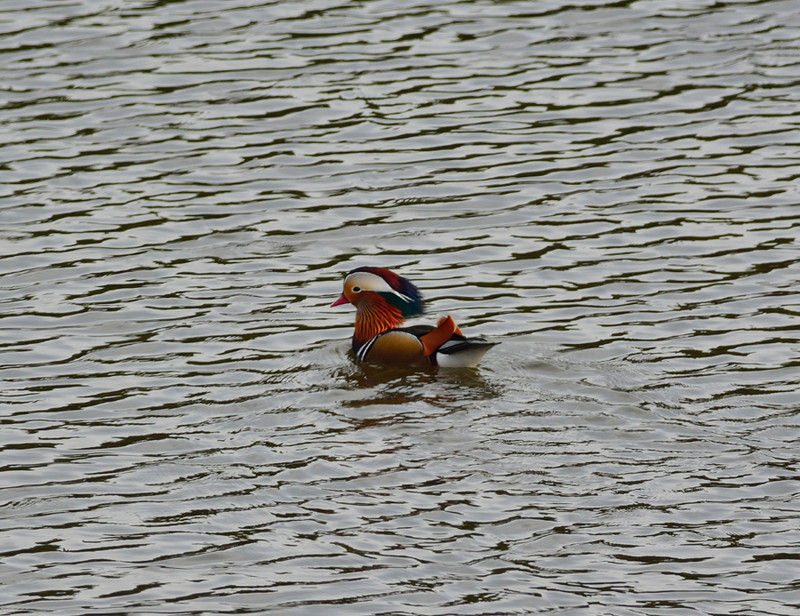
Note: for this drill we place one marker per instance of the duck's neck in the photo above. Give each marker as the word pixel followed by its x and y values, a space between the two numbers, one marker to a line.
pixel 373 318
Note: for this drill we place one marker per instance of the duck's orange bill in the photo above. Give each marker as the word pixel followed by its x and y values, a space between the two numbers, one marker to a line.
pixel 340 301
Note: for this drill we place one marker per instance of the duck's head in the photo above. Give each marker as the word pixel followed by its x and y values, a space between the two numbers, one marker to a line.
pixel 373 286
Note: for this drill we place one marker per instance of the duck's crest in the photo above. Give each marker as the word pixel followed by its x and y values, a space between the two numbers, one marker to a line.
pixel 408 298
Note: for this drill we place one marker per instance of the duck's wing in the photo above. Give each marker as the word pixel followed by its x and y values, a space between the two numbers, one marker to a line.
pixel 461 352
pixel 446 346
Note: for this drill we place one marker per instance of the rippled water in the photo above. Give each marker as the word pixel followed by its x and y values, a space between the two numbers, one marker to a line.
pixel 609 189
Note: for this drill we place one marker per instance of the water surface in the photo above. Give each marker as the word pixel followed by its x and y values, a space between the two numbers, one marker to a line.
pixel 609 189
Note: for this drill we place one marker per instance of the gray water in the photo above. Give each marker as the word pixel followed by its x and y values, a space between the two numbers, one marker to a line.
pixel 608 189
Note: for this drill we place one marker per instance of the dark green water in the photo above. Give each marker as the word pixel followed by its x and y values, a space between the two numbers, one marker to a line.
pixel 609 189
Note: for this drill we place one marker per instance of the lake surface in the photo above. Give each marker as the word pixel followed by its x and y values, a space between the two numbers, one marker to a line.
pixel 608 189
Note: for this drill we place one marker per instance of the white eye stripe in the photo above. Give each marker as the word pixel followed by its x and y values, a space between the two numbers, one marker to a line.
pixel 366 281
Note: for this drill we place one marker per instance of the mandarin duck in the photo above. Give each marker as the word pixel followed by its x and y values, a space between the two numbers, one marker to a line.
pixel 383 301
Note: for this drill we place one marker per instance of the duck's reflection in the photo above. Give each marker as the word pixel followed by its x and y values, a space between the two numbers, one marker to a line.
pixel 392 385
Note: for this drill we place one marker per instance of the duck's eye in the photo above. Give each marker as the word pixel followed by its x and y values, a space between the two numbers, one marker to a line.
pixel 356 289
